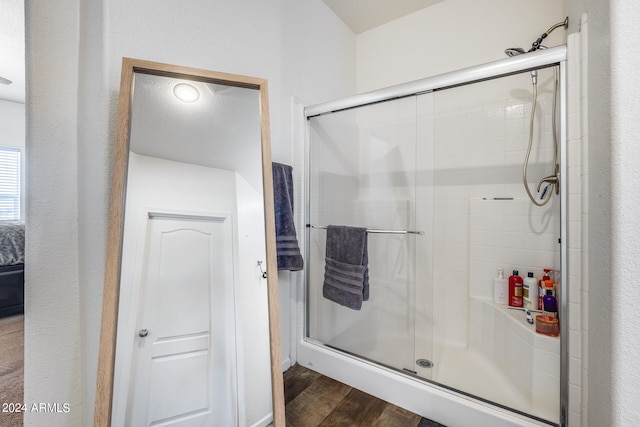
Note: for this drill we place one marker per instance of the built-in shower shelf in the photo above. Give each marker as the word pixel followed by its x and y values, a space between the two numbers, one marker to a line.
pixel 516 317
pixel 504 337
pixel 520 317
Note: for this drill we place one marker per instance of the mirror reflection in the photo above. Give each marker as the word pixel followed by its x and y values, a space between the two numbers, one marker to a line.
pixel 193 329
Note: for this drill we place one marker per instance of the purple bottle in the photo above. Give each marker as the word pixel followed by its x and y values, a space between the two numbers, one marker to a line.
pixel 550 303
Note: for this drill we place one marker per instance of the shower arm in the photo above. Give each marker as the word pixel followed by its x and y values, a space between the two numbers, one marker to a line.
pixel 538 43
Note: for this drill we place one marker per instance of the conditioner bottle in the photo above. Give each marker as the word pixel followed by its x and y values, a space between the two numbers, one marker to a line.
pixel 529 289
pixel 500 288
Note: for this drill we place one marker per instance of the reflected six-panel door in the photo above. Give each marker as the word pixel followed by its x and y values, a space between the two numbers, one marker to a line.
pixel 181 363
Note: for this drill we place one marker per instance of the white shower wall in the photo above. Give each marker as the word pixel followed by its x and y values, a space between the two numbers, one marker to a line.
pixel 481 134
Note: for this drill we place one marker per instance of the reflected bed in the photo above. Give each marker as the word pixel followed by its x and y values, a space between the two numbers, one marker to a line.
pixel 11 268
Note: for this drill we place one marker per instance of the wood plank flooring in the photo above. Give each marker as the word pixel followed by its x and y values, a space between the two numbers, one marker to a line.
pixel 11 367
pixel 312 400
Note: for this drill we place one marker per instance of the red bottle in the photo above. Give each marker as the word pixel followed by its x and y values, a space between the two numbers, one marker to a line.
pixel 515 290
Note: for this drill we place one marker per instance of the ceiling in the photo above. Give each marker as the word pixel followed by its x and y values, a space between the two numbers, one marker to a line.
pixel 363 15
pixel 221 129
pixel 12 50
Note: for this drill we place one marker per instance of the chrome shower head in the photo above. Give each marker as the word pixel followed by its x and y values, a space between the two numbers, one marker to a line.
pixel 514 51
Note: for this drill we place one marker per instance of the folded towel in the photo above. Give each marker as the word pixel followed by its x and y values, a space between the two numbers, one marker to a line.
pixel 287 249
pixel 346 271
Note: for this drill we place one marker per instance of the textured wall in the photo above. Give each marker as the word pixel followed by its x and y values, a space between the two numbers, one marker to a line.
pixel 614 204
pixel 53 323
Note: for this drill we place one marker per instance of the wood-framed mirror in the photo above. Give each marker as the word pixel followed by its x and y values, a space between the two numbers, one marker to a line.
pixel 190 327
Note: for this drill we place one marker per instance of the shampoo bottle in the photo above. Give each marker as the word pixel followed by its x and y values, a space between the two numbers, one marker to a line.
pixel 515 290
pixel 500 288
pixel 529 289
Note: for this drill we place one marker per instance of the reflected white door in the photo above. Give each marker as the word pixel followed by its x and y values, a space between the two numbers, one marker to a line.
pixel 183 370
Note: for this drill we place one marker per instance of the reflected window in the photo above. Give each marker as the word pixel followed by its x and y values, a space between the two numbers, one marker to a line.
pixel 10 159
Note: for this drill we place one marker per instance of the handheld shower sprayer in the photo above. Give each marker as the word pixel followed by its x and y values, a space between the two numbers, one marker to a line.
pixel 515 51
pixel 553 179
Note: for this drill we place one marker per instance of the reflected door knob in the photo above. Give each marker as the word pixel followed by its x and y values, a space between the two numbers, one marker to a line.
pixel 143 333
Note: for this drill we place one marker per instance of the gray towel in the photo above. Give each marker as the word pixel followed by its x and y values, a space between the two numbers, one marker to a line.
pixel 287 249
pixel 346 271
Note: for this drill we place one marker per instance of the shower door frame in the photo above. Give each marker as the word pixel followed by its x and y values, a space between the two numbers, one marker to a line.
pixel 322 358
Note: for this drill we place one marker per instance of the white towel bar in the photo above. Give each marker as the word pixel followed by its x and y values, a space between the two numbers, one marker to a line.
pixel 376 230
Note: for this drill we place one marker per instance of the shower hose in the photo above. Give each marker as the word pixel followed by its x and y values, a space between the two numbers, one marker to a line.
pixel 546 194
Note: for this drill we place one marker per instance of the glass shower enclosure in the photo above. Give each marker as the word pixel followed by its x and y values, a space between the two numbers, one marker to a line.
pixel 436 178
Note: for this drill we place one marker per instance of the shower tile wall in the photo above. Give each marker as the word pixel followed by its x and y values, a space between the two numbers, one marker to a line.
pixel 577 140
pixel 515 233
pixel 502 339
pixel 581 352
pixel 481 134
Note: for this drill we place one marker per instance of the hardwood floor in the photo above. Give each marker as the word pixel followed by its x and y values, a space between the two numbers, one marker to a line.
pixel 312 399
pixel 11 367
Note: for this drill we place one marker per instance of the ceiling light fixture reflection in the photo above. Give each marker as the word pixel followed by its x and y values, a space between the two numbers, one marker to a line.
pixel 186 93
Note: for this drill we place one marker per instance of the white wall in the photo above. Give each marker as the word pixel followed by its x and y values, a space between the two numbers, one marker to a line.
pixel 625 180
pixel 574 9
pixel 451 35
pixel 601 247
pixel 54 365
pixel 74 51
pixel 614 206
pixel 12 134
pixel 12 122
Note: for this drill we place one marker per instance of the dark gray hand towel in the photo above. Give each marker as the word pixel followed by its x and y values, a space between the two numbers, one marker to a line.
pixel 346 272
pixel 288 251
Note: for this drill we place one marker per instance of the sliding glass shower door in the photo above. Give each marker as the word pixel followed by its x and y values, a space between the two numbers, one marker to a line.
pixel 365 170
pixel 437 178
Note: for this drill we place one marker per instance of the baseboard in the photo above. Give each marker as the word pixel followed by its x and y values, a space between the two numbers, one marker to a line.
pixel 264 422
pixel 286 364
